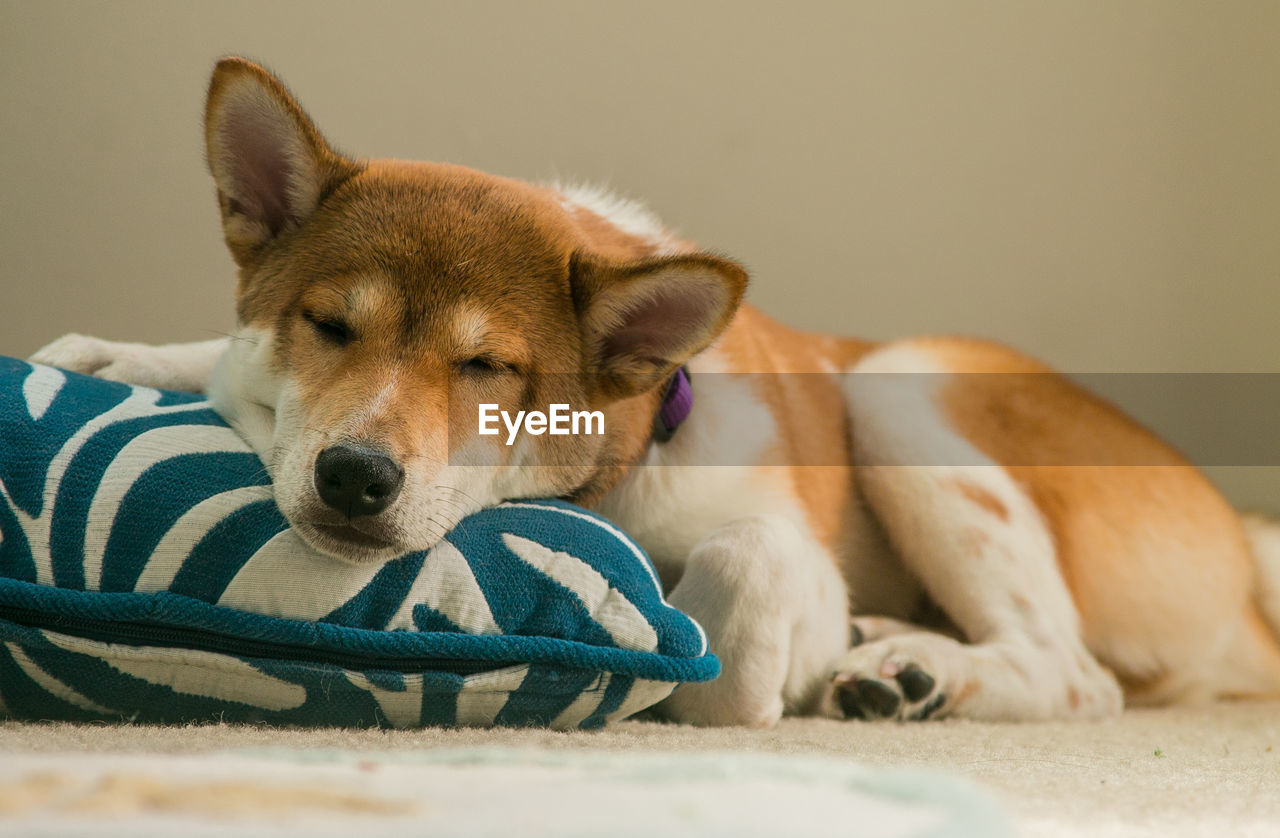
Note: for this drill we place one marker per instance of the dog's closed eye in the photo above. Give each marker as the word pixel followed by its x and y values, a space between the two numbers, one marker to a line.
pixel 483 365
pixel 333 330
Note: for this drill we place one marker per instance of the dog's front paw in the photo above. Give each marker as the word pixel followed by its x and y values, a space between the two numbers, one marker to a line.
pixel 85 354
pixel 129 363
pixel 901 677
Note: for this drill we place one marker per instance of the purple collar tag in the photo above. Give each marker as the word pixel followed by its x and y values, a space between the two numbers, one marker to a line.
pixel 677 401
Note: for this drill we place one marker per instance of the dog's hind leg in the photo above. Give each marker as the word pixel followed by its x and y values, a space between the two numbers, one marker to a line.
pixel 867 629
pixel 983 553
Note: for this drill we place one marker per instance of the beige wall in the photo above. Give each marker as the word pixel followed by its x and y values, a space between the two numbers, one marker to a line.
pixel 1098 182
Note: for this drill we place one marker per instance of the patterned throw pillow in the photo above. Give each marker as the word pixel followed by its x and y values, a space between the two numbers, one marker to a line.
pixel 146 574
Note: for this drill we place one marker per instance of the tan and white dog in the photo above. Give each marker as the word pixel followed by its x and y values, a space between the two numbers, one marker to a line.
pixel 1012 547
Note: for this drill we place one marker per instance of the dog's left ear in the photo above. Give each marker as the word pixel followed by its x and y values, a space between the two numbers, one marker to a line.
pixel 644 319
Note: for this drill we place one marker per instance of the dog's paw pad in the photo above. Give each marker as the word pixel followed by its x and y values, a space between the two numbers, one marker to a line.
pixel 877 699
pixel 888 679
pixel 871 699
pixel 916 683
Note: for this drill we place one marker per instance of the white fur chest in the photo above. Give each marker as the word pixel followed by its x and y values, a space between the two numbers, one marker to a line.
pixel 715 470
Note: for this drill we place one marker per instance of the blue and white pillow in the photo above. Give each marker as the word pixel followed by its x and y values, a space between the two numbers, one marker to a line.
pixel 146 574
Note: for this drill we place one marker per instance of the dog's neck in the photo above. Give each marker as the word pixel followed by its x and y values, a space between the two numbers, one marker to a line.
pixel 644 421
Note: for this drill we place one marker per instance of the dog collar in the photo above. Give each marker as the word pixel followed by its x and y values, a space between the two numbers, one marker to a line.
pixel 677 401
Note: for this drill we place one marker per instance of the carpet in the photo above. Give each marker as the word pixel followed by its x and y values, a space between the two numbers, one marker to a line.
pixel 1212 770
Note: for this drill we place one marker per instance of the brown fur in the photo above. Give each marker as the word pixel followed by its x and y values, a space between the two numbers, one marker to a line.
pixel 394 246
pixel 1155 559
pixel 815 455
pixel 1141 534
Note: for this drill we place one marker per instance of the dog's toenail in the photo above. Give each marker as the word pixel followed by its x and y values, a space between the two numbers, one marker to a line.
pixel 916 683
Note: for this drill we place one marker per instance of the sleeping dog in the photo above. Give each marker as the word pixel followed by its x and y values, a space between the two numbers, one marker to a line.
pixel 1010 546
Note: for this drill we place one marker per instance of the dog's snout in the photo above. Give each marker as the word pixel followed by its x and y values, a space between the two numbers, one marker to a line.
pixel 357 480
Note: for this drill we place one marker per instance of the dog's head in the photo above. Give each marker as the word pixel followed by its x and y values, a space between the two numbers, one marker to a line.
pixel 391 299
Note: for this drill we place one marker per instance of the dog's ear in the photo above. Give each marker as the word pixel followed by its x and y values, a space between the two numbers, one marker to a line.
pixel 642 320
pixel 270 163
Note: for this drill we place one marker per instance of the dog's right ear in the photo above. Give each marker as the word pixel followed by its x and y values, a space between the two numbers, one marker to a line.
pixel 271 165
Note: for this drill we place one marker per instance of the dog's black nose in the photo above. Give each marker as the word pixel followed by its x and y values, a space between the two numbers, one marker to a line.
pixel 356 480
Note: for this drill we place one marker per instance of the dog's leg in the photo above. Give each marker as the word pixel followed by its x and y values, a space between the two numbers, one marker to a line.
pixel 980 548
pixel 174 366
pixel 870 629
pixel 774 609
pixel 997 579
pixel 246 393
